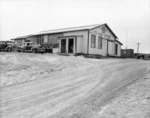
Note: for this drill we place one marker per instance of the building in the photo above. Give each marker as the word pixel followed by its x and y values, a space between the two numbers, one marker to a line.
pixel 142 56
pixel 20 40
pixel 127 53
pixel 93 39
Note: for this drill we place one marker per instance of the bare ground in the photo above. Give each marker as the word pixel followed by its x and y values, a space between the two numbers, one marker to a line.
pixel 53 86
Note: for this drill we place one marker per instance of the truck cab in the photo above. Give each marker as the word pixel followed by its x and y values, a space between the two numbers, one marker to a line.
pixel 6 46
pixel 31 47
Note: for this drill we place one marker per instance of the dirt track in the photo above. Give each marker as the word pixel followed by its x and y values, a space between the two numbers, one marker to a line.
pixel 75 87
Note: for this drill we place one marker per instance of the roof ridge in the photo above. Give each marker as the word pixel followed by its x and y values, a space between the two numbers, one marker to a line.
pixel 71 27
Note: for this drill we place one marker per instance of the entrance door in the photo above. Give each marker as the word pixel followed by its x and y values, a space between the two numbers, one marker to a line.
pixel 70 45
pixel 63 45
pixel 110 48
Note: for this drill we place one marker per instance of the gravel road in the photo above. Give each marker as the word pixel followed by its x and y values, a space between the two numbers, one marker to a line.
pixel 81 89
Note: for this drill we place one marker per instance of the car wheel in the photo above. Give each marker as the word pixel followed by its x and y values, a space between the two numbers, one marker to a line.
pixel 9 49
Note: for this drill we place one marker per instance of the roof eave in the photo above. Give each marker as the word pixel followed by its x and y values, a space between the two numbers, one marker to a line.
pixel 111 30
pixel 119 42
pixel 60 32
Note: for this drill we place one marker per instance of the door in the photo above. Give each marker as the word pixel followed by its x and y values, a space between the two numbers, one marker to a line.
pixel 70 45
pixel 63 45
pixel 116 49
pixel 110 48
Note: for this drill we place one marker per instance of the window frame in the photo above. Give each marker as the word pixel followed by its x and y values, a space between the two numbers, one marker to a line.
pixel 93 41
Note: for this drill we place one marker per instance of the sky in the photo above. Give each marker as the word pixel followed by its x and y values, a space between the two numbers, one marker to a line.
pixel 129 19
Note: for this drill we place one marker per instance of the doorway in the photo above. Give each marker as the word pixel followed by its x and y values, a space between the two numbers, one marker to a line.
pixel 63 45
pixel 116 49
pixel 70 45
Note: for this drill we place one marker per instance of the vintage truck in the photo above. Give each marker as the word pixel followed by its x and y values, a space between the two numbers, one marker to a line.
pixel 6 46
pixel 31 47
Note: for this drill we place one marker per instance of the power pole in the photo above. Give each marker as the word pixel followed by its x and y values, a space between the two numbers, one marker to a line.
pixel 126 39
pixel 138 47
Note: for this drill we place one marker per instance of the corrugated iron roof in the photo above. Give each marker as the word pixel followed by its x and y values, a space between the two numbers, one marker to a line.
pixel 23 37
pixel 118 41
pixel 79 28
pixel 69 29
pixel 74 29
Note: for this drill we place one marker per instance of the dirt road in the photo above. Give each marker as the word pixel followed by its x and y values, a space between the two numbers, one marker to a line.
pixel 81 89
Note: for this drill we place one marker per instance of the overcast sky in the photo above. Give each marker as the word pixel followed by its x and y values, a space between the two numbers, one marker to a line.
pixel 129 19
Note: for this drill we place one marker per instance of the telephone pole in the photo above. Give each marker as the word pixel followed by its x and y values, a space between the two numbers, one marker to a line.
pixel 126 39
pixel 138 47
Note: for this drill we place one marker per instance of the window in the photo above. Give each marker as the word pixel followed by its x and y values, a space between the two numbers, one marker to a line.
pixel 93 41
pixel 52 38
pixel 100 42
pixel 40 39
pixel 103 30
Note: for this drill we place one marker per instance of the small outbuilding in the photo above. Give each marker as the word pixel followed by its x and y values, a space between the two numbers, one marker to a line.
pixel 127 53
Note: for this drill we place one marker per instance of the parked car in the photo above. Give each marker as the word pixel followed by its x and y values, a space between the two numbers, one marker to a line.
pixel 48 47
pixel 6 46
pixel 31 47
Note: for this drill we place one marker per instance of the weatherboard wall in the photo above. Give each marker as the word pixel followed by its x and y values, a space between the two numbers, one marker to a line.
pixel 32 39
pixel 106 35
pixel 96 50
pixel 79 45
pixel 19 41
pixel 111 48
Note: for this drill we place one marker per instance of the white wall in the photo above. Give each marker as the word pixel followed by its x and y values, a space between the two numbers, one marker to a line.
pixel 96 50
pixel 111 48
pixel 83 42
pixel 79 44
pixel 107 35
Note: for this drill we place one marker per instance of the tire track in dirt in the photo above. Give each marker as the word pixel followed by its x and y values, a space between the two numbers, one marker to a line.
pixel 33 102
pixel 29 89
pixel 103 95
pixel 46 93
pixel 77 92
pixel 62 79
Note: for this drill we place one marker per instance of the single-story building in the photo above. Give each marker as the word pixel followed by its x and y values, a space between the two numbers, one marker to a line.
pixel 93 39
pixel 20 40
pixel 142 56
pixel 127 53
